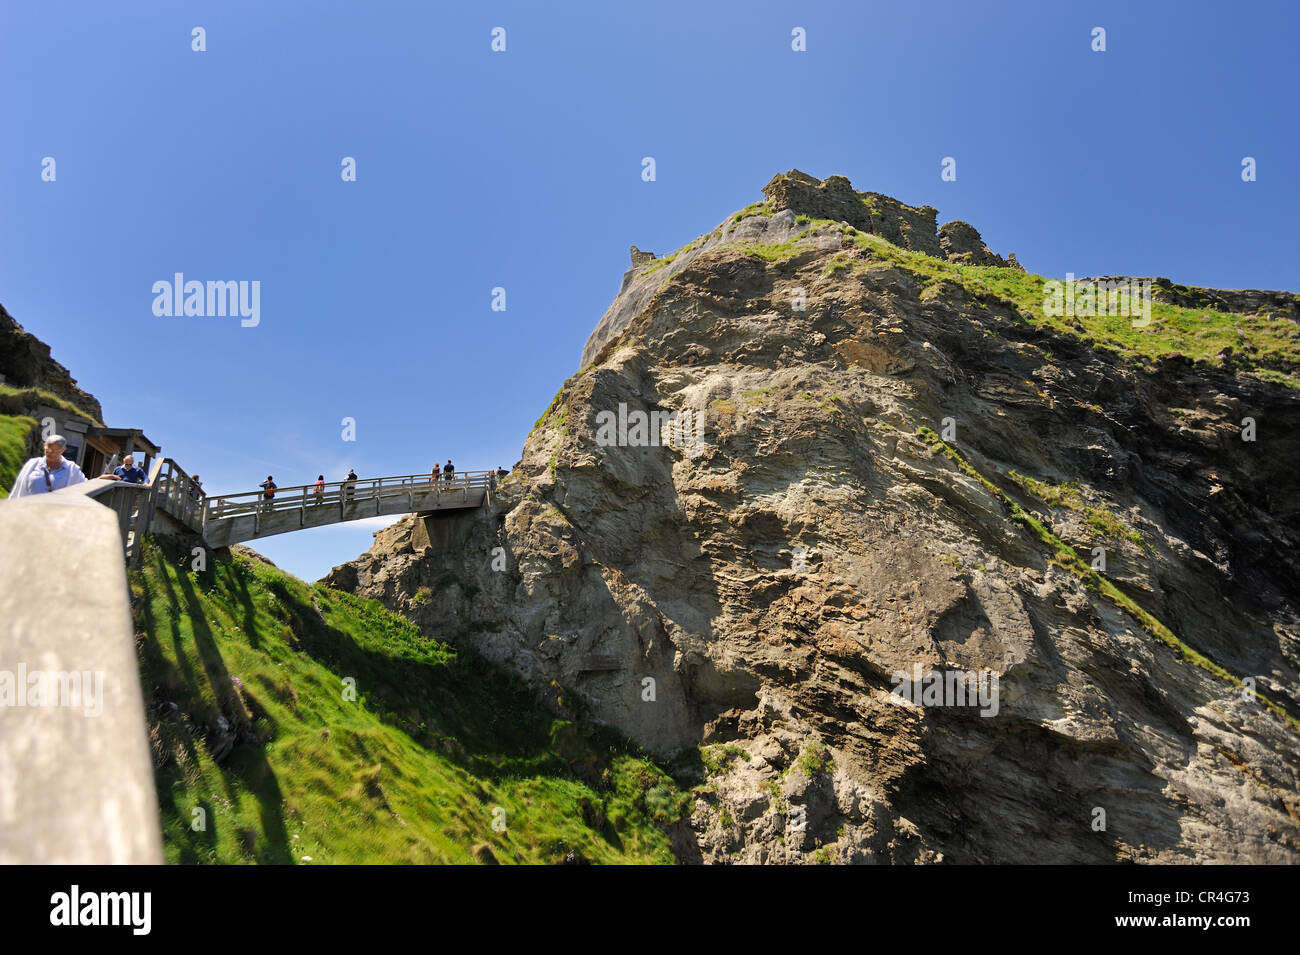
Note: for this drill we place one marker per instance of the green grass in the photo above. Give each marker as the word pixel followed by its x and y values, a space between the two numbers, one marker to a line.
pixel 781 251
pixel 763 208
pixel 14 400
pixel 555 403
pixel 15 430
pixel 717 759
pixel 1065 556
pixel 772 251
pixel 409 771
pixel 562 421
pixel 1069 495
pixel 1268 347
pixel 657 264
pixel 813 760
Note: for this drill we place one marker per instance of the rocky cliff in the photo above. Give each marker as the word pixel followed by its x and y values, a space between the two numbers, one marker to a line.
pixel 25 362
pixel 882 464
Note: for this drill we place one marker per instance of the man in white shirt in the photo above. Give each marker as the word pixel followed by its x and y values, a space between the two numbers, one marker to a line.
pixel 50 473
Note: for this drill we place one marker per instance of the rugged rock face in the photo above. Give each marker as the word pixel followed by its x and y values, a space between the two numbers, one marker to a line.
pixel 872 474
pixel 961 242
pixel 25 362
pixel 791 197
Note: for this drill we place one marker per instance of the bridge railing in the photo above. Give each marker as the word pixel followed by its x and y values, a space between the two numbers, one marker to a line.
pixel 132 503
pixel 178 494
pixel 305 497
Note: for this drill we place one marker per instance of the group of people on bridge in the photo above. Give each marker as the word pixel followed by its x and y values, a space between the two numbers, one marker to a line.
pixel 269 487
pixel 445 472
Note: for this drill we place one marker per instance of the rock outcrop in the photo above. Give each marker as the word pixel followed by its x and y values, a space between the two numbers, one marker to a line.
pixel 792 199
pixel 886 473
pixel 25 362
pixel 961 242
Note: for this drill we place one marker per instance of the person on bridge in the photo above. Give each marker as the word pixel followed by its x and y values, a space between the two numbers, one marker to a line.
pixel 268 489
pixel 50 473
pixel 129 473
pixel 448 471
pixel 319 488
pixel 196 489
pixel 350 485
pixel 434 474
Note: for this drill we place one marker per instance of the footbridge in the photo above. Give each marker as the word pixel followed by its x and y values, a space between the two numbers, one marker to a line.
pixel 172 502
pixel 226 519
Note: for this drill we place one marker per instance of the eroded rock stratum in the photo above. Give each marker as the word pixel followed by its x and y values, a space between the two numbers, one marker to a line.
pixel 823 536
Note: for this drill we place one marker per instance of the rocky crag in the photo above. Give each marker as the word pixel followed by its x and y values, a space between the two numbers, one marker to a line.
pixel 25 362
pixel 898 462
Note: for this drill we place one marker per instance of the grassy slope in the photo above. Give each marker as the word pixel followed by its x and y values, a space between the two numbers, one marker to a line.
pixel 14 432
pixel 12 396
pixel 409 772
pixel 1270 348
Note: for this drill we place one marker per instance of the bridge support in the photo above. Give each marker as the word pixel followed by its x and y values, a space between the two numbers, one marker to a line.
pixel 444 531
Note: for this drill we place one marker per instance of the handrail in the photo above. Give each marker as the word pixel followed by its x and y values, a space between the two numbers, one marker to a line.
pixel 304 498
pixel 179 496
pixel 459 478
pixel 173 466
pixel 123 498
pixel 96 487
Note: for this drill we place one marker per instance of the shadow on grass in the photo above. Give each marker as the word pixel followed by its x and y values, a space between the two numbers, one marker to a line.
pixel 211 706
pixel 455 703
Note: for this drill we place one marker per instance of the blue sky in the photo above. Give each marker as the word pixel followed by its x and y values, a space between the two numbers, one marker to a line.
pixel 522 170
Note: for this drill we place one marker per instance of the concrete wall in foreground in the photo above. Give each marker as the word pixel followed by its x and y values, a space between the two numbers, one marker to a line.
pixel 76 780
